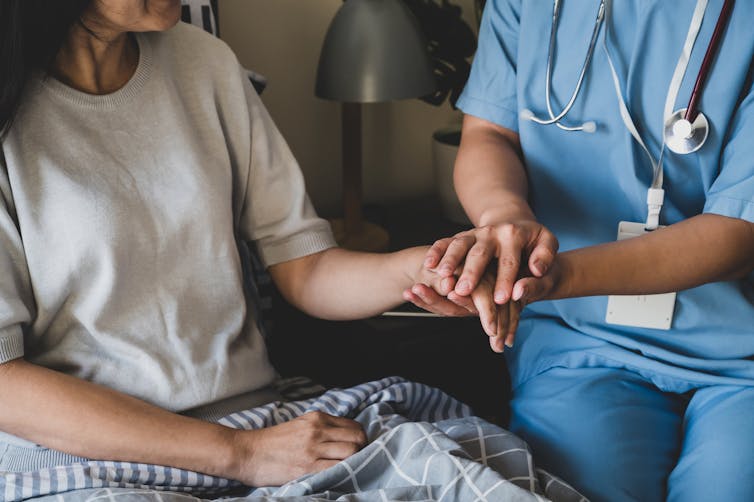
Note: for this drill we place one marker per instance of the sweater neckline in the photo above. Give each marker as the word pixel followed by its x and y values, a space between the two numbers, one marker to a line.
pixel 113 99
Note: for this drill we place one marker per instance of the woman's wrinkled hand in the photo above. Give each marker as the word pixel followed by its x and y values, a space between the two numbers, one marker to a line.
pixel 499 322
pixel 430 292
pixel 426 298
pixel 310 443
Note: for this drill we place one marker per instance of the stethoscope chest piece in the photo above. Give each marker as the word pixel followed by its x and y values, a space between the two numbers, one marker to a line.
pixel 682 136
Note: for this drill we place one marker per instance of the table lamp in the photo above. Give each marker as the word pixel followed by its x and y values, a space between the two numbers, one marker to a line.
pixel 374 51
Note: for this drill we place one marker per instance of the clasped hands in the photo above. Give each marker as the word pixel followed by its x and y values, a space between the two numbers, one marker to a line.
pixel 491 271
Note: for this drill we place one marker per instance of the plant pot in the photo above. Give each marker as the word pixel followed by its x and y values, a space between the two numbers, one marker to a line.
pixel 445 144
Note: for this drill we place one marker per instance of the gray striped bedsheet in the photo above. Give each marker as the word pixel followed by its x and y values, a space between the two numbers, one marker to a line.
pixel 424 446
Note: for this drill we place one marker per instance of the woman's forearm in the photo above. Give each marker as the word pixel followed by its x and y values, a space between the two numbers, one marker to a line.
pixel 339 284
pixel 489 175
pixel 83 419
pixel 706 248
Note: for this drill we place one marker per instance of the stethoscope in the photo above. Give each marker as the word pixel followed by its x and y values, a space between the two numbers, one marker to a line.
pixel 589 126
pixel 685 130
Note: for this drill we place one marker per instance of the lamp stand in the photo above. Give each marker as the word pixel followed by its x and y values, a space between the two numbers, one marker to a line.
pixel 352 231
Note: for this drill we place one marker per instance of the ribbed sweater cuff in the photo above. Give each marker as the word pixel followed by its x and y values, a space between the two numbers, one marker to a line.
pixel 296 246
pixel 11 344
pixel 17 459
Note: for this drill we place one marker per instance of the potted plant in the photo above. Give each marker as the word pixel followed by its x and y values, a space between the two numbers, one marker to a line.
pixel 451 43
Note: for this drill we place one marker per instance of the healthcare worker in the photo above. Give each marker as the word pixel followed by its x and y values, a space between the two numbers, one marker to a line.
pixel 639 397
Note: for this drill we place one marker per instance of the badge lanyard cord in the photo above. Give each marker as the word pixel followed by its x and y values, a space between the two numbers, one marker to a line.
pixel 655 194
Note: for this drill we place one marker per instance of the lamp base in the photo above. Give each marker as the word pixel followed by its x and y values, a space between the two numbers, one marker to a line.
pixel 369 237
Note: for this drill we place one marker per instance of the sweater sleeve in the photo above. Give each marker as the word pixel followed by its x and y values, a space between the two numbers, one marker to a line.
pixel 14 278
pixel 276 212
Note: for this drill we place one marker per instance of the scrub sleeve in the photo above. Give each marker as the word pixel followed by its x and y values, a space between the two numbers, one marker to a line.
pixel 732 192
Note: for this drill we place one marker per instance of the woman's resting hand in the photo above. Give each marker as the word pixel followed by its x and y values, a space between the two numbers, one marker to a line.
pixel 123 428
pixel 428 299
pixel 310 443
pixel 498 321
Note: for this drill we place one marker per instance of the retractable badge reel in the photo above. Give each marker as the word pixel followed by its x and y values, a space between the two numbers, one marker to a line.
pixel 641 311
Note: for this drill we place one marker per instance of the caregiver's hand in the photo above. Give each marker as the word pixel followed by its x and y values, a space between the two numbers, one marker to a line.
pixel 520 247
pixel 531 289
pixel 310 443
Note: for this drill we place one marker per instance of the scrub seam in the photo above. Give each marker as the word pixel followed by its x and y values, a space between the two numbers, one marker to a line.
pixel 617 364
pixel 505 116
pixel 493 105
pixel 725 197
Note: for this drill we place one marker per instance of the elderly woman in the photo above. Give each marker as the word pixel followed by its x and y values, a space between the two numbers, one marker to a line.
pixel 137 165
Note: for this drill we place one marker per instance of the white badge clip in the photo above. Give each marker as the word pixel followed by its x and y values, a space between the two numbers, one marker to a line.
pixel 640 311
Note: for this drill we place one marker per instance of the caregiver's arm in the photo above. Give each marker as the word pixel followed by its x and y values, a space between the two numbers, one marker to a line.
pixel 492 186
pixel 491 183
pixel 84 419
pixel 705 248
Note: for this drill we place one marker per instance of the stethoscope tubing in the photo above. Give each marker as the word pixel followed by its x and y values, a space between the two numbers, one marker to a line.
pixel 548 76
pixel 689 114
pixel 709 56
pixel 555 119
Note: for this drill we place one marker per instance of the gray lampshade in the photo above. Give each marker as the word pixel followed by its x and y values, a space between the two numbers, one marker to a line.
pixel 374 51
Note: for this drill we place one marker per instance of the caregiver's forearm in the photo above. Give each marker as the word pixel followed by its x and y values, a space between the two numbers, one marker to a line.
pixel 705 248
pixel 80 418
pixel 489 176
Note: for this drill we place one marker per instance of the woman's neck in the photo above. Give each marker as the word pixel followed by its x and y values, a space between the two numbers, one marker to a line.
pixel 98 63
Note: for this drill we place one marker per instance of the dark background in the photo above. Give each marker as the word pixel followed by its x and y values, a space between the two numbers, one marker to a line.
pixel 450 353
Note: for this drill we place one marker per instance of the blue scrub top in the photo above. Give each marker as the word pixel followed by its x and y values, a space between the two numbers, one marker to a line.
pixel 582 185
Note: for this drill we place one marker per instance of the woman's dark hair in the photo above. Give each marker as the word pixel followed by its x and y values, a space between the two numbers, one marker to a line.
pixel 31 34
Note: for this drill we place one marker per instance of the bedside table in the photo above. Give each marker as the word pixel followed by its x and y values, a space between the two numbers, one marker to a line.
pixel 452 354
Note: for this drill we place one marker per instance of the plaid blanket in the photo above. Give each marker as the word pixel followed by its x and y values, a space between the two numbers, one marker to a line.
pixel 423 445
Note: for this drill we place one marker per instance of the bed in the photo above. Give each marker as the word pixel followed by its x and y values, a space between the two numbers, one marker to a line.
pixel 423 446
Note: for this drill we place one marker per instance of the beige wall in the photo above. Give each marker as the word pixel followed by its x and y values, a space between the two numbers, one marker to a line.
pixel 282 40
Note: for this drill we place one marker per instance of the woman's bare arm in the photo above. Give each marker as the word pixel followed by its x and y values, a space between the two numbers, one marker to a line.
pixel 340 284
pixel 80 418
